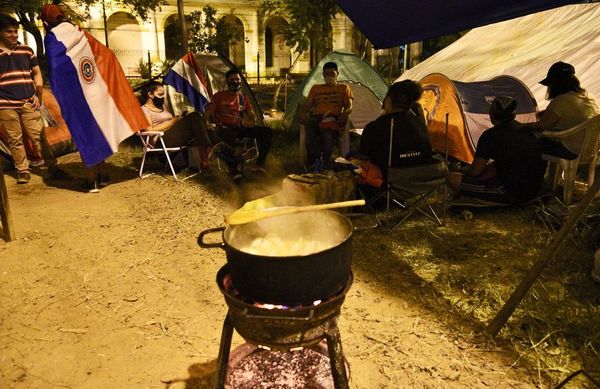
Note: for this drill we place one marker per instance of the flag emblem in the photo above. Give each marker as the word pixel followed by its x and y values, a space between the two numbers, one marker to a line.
pixel 86 67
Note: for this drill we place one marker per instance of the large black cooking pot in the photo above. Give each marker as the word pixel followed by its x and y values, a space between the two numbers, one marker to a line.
pixel 274 278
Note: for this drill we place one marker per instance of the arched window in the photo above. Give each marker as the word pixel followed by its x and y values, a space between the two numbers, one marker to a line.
pixel 125 40
pixel 173 41
pixel 277 52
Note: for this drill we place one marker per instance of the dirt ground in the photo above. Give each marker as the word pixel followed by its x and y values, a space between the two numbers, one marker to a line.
pixel 110 290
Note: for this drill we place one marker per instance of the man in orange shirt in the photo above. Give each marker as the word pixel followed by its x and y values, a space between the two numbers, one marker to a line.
pixel 325 114
pixel 231 113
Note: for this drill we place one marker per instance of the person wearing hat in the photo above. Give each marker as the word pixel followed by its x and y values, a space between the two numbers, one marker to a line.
pixel 569 106
pixel 21 86
pixel 517 170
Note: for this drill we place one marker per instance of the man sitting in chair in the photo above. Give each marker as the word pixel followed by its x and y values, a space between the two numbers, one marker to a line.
pixel 517 170
pixel 231 114
pixel 324 114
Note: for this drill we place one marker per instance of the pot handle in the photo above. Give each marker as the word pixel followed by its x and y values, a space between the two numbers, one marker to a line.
pixel 206 245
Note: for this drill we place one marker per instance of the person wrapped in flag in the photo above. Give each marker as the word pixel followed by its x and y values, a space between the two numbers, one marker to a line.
pixel 95 98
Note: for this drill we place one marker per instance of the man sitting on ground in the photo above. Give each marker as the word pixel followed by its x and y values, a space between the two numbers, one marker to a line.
pixel 517 170
pixel 231 114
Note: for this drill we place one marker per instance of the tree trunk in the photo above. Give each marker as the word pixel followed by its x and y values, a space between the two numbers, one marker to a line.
pixel 26 21
pixel 284 81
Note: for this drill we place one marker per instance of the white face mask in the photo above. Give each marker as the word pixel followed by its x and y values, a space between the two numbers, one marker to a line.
pixel 330 80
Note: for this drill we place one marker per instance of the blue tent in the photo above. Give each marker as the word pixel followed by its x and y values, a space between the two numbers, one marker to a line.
pixel 389 23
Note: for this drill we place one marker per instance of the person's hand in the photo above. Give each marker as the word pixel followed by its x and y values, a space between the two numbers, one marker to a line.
pixel 341 120
pixel 34 102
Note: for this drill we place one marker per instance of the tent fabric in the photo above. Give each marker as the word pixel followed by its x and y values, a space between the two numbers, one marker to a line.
pixel 213 67
pixel 524 48
pixel 389 23
pixel 467 106
pixel 368 87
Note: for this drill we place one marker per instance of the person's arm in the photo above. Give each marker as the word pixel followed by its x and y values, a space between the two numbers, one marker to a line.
pixel 38 81
pixel 249 119
pixel 347 109
pixel 306 108
pixel 161 126
pixel 477 167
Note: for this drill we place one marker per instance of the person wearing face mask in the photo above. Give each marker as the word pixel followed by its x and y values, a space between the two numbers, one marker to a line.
pixel 325 114
pixel 516 173
pixel 231 114
pixel 187 129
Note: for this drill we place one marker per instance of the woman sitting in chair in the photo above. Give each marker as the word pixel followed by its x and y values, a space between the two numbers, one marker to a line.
pixel 187 129
pixel 411 145
pixel 569 106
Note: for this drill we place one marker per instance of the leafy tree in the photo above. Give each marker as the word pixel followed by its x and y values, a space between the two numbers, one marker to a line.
pixel 207 34
pixel 27 10
pixel 311 30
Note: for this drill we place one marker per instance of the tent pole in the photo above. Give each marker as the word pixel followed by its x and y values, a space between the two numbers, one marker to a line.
pixel 446 160
pixel 405 60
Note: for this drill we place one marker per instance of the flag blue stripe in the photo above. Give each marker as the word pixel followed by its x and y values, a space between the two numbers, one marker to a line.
pixel 86 132
pixel 183 86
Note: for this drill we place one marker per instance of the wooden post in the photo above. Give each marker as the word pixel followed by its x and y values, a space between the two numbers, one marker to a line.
pixel 509 307
pixel 7 226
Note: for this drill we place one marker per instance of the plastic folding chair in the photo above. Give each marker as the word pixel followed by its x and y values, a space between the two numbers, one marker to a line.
pixel 588 154
pixel 159 147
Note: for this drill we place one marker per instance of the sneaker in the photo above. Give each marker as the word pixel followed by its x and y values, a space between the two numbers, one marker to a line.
pixel 23 177
pixel 102 180
pixel 37 163
pixel 90 187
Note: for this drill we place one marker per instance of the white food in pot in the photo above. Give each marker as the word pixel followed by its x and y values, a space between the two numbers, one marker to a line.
pixel 273 244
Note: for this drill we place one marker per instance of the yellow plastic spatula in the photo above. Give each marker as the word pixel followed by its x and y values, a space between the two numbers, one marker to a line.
pixel 242 216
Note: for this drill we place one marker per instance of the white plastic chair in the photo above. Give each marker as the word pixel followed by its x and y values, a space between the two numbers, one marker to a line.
pixel 587 155
pixel 159 147
pixel 344 142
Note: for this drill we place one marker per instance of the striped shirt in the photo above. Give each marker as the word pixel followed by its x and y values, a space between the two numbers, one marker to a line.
pixel 16 78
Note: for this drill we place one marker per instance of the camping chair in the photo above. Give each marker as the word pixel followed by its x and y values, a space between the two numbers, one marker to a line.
pixel 343 138
pixel 587 155
pixel 159 147
pixel 410 188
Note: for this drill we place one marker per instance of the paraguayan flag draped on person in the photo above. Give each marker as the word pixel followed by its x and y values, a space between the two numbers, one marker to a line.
pixel 95 98
pixel 187 78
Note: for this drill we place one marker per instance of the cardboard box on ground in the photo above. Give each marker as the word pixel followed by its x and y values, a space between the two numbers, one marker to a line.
pixel 318 188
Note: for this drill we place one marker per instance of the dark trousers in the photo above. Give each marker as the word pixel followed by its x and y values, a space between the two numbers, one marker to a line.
pixel 189 130
pixel 263 136
pixel 555 148
pixel 319 141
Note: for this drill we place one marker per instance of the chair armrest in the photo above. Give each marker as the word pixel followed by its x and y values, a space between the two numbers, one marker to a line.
pixel 564 133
